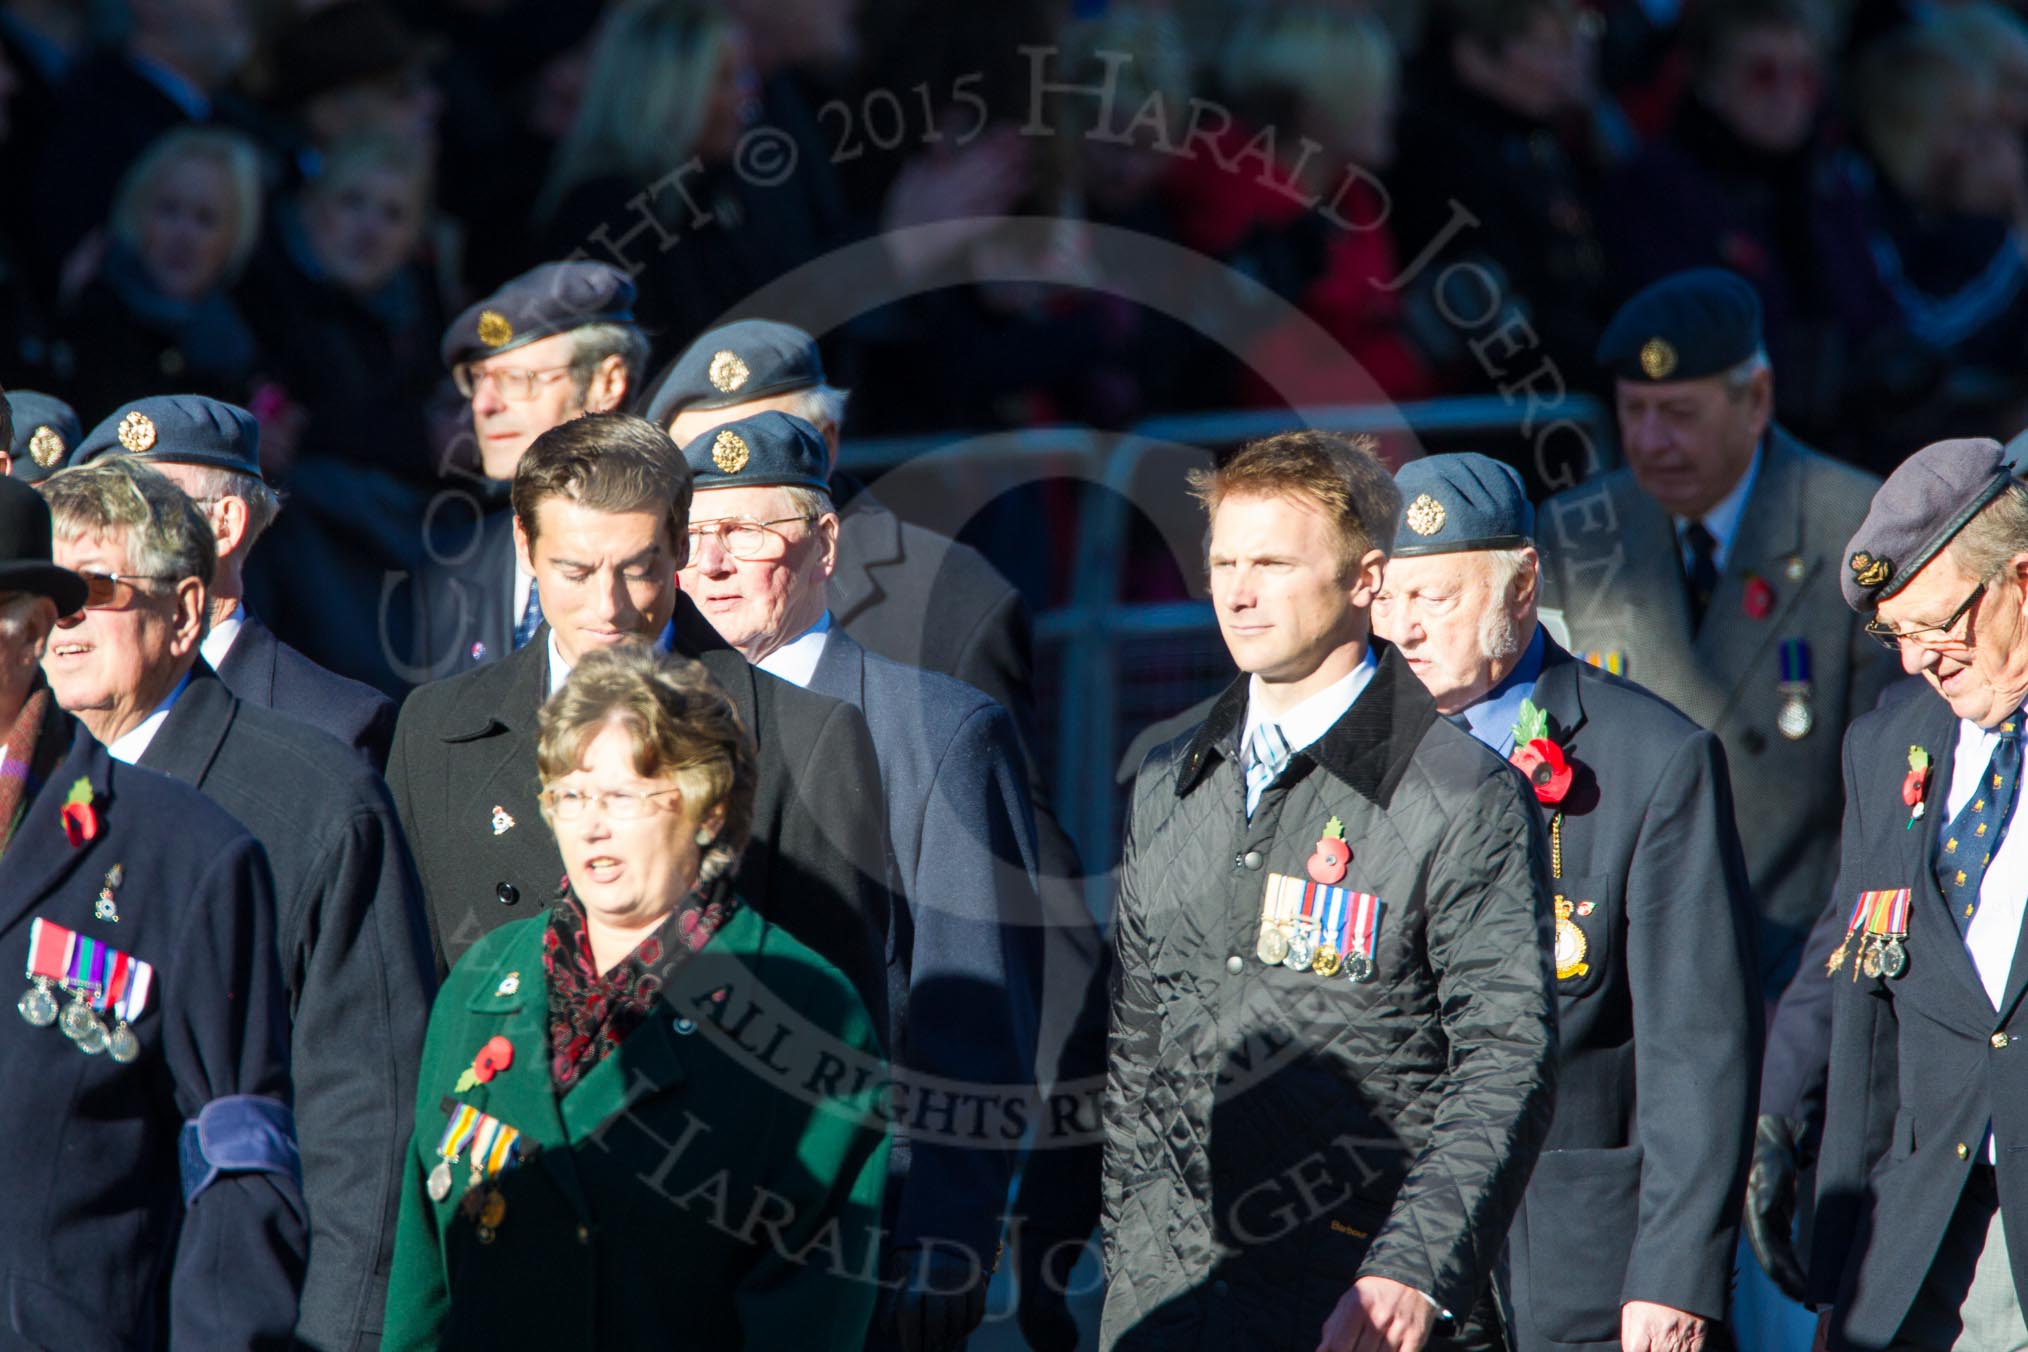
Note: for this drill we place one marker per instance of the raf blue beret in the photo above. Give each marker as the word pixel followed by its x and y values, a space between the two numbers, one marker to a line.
pixel 45 431
pixel 734 363
pixel 178 429
pixel 1924 503
pixel 765 450
pixel 1684 327
pixel 554 298
pixel 1452 503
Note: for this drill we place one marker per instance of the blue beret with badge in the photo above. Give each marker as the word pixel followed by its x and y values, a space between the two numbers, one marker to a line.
pixel 750 359
pixel 540 303
pixel 1685 327
pixel 766 450
pixel 1924 504
pixel 1458 502
pixel 178 429
pixel 45 431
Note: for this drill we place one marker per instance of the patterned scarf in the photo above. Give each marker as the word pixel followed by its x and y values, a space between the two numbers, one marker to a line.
pixel 33 749
pixel 591 1012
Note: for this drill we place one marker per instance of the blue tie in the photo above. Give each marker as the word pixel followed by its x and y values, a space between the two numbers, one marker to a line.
pixel 1975 833
pixel 1267 751
pixel 531 616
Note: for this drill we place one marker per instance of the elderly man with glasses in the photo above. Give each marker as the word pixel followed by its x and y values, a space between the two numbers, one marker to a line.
pixel 1923 1107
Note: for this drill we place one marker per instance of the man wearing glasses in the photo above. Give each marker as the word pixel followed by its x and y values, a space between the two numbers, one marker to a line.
pixel 1926 1100
pixel 555 343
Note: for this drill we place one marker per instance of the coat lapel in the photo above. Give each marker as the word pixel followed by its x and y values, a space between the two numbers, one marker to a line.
pixel 870 537
pixel 841 669
pixel 188 742
pixel 502 740
pixel 1769 534
pixel 1937 733
pixel 1558 693
pixel 249 664
pixel 1662 644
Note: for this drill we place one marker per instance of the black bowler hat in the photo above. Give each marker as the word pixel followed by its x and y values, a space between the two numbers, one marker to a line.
pixel 45 430
pixel 1685 327
pixel 178 429
pixel 767 450
pixel 1929 498
pixel 1460 501
pixel 25 561
pixel 540 303
pixel 735 363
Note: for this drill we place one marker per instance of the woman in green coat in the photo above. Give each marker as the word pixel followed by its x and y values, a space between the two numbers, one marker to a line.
pixel 647 1118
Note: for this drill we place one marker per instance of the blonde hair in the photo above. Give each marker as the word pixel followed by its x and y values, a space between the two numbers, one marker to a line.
pixel 230 152
pixel 684 728
pixel 1339 65
pixel 1341 474
pixel 646 96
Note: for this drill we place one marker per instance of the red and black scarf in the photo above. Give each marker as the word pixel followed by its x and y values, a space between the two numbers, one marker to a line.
pixel 29 755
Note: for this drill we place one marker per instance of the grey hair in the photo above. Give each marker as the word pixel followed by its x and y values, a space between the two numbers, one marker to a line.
pixel 810 502
pixel 591 344
pixel 263 503
pixel 119 497
pixel 1738 377
pixel 1990 540
pixel 821 406
pixel 1499 637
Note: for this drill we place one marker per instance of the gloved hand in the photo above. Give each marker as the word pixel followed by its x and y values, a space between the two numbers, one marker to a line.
pixel 940 1299
pixel 1771 1201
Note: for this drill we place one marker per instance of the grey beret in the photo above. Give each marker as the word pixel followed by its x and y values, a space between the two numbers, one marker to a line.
pixel 1924 503
pixel 765 450
pixel 1685 327
pixel 1452 503
pixel 734 363
pixel 551 299
pixel 178 429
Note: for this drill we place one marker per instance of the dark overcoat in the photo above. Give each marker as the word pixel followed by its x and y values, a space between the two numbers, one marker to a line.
pixel 263 670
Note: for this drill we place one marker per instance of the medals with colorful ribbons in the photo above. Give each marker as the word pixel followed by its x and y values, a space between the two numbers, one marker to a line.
pixel 1362 940
pixel 1330 955
pixel 99 979
pixel 1878 927
pixel 1277 912
pixel 1308 926
pixel 48 964
pixel 1303 942
pixel 491 1146
pixel 457 1134
pixel 1796 718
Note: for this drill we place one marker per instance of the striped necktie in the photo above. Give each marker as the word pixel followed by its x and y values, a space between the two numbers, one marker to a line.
pixel 1267 751
pixel 1975 833
pixel 531 616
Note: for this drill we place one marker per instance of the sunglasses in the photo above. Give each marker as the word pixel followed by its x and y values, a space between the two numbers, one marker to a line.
pixel 115 591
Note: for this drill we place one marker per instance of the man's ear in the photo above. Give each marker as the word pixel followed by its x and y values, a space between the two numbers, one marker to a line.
pixel 1366 577
pixel 189 623
pixel 228 522
pixel 827 545
pixel 524 548
pixel 7 463
pixel 607 388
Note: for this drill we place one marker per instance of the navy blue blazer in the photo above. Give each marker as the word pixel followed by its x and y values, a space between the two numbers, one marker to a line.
pixel 964 952
pixel 1645 1166
pixel 1921 1064
pixel 356 960
pixel 263 670
pixel 100 1251
pixel 465 615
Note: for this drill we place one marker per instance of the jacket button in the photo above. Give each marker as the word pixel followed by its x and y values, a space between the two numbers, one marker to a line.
pixel 508 893
pixel 1964 1151
pixel 1235 964
pixel 1753 741
pixel 584 1234
pixel 2000 1040
pixel 1252 859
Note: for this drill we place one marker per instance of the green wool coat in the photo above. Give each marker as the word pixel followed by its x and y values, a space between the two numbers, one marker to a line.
pixel 715 1182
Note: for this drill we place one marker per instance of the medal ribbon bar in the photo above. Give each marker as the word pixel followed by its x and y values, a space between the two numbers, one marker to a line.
pixel 49 947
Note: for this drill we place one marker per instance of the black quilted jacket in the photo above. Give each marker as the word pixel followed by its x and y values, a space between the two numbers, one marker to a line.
pixel 1271 1135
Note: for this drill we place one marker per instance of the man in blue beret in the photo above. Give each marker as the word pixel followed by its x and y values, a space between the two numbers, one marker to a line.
pixel 557 342
pixel 962 1009
pixel 1925 1101
pixel 41 432
pixel 1656 988
pixel 1706 569
pixel 212 451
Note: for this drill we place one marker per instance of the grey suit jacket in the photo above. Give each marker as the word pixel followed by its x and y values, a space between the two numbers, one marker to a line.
pixel 1611 566
pixel 963 951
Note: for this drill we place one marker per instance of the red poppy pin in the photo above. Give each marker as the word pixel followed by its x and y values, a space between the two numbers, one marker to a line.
pixel 1760 598
pixel 1915 784
pixel 1537 756
pixel 494 1057
pixel 1327 862
pixel 80 816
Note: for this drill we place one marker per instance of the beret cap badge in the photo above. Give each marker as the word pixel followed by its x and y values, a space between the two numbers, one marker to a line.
pixel 1658 359
pixel 137 431
pixel 729 452
pixel 1869 571
pixel 727 371
pixel 1425 516
pixel 494 330
pixel 46 446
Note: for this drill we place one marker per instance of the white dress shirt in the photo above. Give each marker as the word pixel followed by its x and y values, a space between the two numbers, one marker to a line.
pixel 2003 893
pixel 559 670
pixel 796 661
pixel 132 744
pixel 1312 718
pixel 218 640
pixel 1722 520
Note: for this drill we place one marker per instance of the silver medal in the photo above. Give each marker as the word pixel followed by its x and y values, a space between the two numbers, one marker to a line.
pixel 37 1005
pixel 77 1021
pixel 94 1039
pixel 440 1181
pixel 122 1045
pixel 1893 959
pixel 1358 967
pixel 1795 719
pixel 1302 950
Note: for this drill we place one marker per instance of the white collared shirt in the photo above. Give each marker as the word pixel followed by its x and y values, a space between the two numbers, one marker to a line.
pixel 2003 893
pixel 559 670
pixel 132 744
pixel 1722 520
pixel 219 639
pixel 796 661
pixel 1312 718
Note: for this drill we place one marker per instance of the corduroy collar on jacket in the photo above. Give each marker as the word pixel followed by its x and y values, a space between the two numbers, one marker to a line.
pixel 1369 748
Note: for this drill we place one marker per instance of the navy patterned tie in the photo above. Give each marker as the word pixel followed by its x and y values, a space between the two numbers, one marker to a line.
pixel 531 616
pixel 1267 751
pixel 1702 574
pixel 1975 833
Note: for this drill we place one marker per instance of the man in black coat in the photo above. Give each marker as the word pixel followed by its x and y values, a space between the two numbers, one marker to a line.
pixel 212 451
pixel 349 928
pixel 187 1058
pixel 1922 1170
pixel 602 506
pixel 1334 1026
pixel 1658 1003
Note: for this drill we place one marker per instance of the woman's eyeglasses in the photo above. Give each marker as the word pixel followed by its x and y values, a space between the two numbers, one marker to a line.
pixel 567 805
